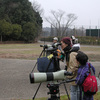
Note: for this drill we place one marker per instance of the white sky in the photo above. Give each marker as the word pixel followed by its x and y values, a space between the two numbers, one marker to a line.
pixel 87 11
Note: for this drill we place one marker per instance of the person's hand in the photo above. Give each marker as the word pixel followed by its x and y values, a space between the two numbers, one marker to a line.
pixel 66 68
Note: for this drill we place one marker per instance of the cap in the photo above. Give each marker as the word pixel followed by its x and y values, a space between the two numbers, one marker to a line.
pixel 55 38
pixel 73 37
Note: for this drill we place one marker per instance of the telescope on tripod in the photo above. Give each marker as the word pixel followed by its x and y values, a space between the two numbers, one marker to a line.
pixel 49 76
pixel 49 71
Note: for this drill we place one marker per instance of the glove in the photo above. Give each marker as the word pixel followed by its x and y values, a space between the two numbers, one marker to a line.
pixel 66 68
pixel 50 56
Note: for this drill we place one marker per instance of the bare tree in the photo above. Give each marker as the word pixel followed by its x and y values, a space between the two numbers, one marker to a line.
pixel 37 7
pixel 60 21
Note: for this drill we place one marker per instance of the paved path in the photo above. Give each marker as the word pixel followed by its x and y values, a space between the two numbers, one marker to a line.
pixel 15 83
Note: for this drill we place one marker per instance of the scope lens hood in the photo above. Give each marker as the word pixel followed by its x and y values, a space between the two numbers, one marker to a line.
pixel 31 76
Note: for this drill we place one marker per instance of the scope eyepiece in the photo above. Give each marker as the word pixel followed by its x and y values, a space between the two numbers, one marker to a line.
pixel 68 73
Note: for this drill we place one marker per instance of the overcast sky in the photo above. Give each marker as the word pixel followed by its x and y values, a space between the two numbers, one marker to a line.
pixel 87 11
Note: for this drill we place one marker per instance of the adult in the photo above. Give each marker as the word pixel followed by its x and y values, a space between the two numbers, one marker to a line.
pixel 75 43
pixel 70 56
pixel 71 64
pixel 55 40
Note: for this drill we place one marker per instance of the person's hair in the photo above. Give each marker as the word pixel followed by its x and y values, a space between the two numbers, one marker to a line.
pixel 82 58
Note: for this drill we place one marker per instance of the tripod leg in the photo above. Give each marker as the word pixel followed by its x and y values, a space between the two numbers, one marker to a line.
pixel 66 91
pixel 37 91
pixel 43 51
pixel 36 62
pixel 49 65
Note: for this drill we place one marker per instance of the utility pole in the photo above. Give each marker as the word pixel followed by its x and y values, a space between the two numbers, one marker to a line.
pixel 98 29
pixel 90 29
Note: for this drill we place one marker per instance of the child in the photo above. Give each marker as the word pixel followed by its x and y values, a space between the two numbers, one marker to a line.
pixel 82 73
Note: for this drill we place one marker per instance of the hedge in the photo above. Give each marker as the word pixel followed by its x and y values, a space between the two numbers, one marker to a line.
pixel 82 40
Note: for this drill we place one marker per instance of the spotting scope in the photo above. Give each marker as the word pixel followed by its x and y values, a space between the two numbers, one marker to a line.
pixel 49 76
pixel 49 45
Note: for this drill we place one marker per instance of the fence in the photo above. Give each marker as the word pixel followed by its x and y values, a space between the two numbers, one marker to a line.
pixel 76 30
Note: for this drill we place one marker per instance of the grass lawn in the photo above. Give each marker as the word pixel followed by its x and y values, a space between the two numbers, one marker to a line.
pixel 96 97
pixel 32 51
pixel 20 51
pixel 93 52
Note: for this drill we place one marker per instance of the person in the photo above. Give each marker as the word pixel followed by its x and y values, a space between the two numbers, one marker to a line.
pixel 51 46
pixel 75 42
pixel 71 65
pixel 70 57
pixel 54 55
pixel 82 61
pixel 55 40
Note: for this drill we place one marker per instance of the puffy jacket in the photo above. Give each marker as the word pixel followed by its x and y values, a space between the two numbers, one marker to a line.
pixel 84 73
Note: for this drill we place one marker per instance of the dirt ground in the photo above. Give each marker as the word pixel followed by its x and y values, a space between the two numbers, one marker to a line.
pixel 15 82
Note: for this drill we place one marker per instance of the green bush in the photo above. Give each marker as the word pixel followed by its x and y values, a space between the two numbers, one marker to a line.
pixel 89 40
pixel 82 40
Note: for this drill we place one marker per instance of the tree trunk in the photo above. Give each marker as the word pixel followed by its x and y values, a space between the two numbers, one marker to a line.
pixel 1 38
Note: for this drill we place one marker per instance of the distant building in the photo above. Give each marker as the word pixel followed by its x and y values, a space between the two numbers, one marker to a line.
pixel 93 32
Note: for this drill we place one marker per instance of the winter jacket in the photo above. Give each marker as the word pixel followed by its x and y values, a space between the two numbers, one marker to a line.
pixel 82 73
pixel 72 65
pixel 85 72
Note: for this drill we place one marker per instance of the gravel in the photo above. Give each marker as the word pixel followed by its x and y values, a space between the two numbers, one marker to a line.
pixel 15 83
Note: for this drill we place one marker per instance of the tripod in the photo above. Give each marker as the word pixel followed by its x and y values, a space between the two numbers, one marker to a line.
pixel 54 89
pixel 56 68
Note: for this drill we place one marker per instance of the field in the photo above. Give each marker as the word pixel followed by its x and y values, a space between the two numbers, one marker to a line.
pixel 20 51
pixel 32 51
pixel 93 52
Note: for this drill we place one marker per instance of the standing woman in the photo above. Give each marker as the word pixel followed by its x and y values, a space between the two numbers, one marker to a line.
pixel 70 57
pixel 71 65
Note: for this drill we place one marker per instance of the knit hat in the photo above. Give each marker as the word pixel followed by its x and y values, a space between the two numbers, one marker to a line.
pixel 67 40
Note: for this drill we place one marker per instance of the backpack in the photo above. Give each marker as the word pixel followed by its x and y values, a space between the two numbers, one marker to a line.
pixel 45 65
pixel 90 83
